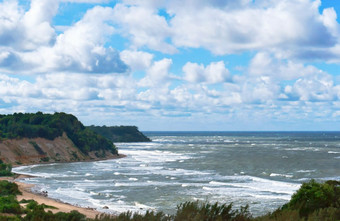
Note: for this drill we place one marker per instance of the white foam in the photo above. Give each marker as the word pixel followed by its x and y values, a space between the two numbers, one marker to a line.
pixel 333 152
pixel 215 183
pixel 282 175
pixel 305 171
pixel 142 206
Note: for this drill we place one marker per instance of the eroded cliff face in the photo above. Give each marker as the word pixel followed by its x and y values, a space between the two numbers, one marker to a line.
pixel 39 150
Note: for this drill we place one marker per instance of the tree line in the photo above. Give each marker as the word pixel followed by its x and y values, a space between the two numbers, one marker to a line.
pixel 51 126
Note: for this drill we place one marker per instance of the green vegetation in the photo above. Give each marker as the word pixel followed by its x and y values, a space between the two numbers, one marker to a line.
pixel 7 188
pixel 33 204
pixel 32 211
pixel 120 133
pixel 313 201
pixel 51 126
pixel 8 204
pixel 194 211
pixel 5 169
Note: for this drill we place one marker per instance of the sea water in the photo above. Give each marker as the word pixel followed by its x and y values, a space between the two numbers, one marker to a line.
pixel 261 169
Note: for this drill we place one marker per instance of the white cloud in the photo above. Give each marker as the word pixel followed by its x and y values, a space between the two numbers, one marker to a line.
pixel 278 24
pixel 268 64
pixel 136 60
pixel 79 49
pixel 144 27
pixel 86 1
pixel 318 87
pixel 225 27
pixel 27 30
pixel 158 74
pixel 215 72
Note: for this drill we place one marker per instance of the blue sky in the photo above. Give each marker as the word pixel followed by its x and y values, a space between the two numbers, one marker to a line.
pixel 174 65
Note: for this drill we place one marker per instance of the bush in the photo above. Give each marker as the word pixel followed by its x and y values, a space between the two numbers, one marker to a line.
pixel 8 204
pixel 8 188
pixel 5 169
pixel 129 216
pixel 38 213
pixel 205 211
pixel 313 196
pixel 9 218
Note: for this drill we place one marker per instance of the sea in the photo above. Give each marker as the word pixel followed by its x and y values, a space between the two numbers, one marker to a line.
pixel 259 169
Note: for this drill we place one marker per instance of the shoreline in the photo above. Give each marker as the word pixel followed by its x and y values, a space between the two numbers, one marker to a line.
pixel 89 160
pixel 28 194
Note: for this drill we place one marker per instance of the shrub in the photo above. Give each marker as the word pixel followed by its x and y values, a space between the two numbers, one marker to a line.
pixel 38 213
pixel 5 169
pixel 8 204
pixel 205 211
pixel 8 188
pixel 313 196
pixel 9 218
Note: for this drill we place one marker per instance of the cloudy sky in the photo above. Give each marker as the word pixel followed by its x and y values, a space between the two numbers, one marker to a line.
pixel 174 65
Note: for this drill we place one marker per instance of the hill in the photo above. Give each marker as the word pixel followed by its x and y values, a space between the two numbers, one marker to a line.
pixel 120 133
pixel 59 137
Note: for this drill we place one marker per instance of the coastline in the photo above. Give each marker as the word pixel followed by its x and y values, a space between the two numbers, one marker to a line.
pixel 90 160
pixel 28 194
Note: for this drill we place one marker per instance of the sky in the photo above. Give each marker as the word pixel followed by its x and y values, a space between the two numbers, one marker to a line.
pixel 180 65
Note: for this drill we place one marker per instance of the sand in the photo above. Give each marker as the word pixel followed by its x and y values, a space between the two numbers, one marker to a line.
pixel 62 207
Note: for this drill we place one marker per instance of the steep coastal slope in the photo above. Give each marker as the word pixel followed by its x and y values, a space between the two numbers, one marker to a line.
pixel 120 133
pixel 59 137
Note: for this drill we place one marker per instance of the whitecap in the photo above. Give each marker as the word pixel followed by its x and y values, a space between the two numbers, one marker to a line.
pixel 282 175
pixel 333 152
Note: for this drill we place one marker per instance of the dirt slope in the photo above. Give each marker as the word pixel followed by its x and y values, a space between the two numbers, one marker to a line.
pixel 39 150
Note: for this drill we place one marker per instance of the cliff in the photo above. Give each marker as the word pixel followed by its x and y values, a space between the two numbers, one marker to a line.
pixel 40 150
pixel 59 137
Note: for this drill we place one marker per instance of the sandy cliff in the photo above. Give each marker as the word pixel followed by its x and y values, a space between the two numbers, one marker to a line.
pixel 40 150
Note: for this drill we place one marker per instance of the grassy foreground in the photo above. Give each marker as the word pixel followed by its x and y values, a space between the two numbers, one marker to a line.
pixel 313 201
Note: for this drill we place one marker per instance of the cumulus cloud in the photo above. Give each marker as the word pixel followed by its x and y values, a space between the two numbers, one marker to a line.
pixel 35 48
pixel 158 74
pixel 319 87
pixel 226 27
pixel 268 64
pixel 279 24
pixel 136 60
pixel 86 1
pixel 216 72
pixel 27 30
pixel 144 27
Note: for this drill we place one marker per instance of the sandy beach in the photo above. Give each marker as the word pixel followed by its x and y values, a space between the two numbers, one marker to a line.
pixel 28 194
pixel 61 207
